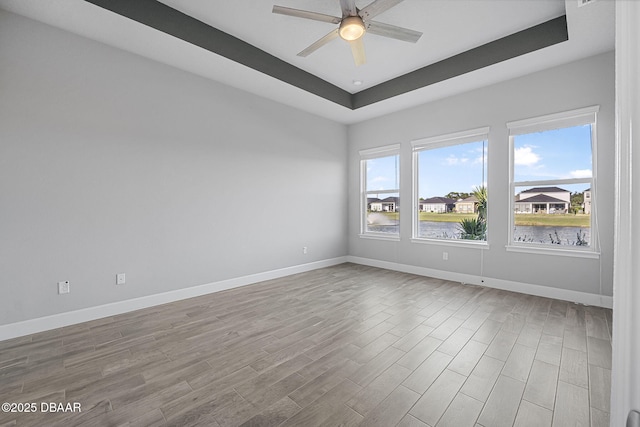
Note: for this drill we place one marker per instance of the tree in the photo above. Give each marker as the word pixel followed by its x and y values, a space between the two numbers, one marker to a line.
pixel 577 200
pixel 480 193
pixel 472 229
pixel 476 228
pixel 457 195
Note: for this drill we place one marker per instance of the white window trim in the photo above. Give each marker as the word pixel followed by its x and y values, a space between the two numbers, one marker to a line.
pixel 565 119
pixel 430 143
pixel 369 154
pixel 480 244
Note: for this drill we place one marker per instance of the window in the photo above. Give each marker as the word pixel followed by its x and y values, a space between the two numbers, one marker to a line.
pixel 450 193
pixel 552 181
pixel 380 199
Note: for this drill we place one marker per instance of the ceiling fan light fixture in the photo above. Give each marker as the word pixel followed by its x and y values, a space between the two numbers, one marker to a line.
pixel 351 28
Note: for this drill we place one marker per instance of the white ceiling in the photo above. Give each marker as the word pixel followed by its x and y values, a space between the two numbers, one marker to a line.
pixel 450 27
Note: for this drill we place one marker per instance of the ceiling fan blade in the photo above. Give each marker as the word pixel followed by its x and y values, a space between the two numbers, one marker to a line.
pixel 348 8
pixel 306 14
pixel 376 8
pixel 317 45
pixel 393 31
pixel 357 49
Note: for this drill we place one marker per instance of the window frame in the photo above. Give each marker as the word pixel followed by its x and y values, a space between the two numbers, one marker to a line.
pixel 561 120
pixel 370 154
pixel 441 141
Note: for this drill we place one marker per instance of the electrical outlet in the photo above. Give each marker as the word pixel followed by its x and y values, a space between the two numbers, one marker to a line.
pixel 445 256
pixel 64 287
pixel 304 250
pixel 121 279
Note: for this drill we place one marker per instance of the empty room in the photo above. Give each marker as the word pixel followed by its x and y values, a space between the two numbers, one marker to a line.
pixel 319 213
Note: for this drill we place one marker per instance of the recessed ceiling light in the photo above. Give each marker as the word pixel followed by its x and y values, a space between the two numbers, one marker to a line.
pixel 357 82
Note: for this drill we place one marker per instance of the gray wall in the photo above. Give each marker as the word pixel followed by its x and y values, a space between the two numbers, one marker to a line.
pixel 575 85
pixel 113 163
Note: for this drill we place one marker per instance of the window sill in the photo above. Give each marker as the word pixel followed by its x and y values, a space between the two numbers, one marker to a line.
pixel 452 242
pixel 392 237
pixel 555 252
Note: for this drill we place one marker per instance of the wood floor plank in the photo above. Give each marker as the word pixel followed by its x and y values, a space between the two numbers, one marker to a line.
pixel 435 401
pixel 599 352
pixel 477 318
pixel 342 345
pixel 573 367
pixel 541 387
pixel 419 353
pixel 468 357
pixel 377 390
pixel 374 348
pixel 575 338
pixel 392 409
pixel 572 405
pixel 596 323
pixel 376 366
pixel 483 378
pixel 344 416
pixel 599 418
pixel 463 412
pixel 519 362
pixel 503 403
pixel 549 349
pixel 487 331
pixel 274 415
pixel 600 388
pixel 411 339
pixel 454 343
pixel 530 335
pixel 317 412
pixel 501 346
pixel 531 415
pixel 411 421
pixel 423 377
pixel 316 387
pixel 447 328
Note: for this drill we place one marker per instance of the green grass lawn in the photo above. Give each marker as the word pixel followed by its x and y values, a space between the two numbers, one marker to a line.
pixel 444 217
pixel 553 220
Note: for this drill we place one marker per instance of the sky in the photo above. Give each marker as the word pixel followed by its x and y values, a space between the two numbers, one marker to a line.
pixel 556 154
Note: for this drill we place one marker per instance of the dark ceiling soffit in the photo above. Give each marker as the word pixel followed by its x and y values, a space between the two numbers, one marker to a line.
pixel 170 21
pixel 520 43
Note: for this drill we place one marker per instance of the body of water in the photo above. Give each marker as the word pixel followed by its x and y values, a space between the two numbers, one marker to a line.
pixel 538 234
pixel 534 234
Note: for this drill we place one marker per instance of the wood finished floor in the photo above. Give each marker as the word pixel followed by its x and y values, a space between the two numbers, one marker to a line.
pixel 345 345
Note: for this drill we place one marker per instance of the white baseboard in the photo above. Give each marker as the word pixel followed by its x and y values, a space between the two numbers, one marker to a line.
pixel 55 321
pixel 507 285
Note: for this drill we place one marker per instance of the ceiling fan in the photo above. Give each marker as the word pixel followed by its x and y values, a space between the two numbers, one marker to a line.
pixel 353 24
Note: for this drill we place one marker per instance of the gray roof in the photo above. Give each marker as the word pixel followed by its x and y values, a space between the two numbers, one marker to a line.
pixel 390 199
pixel 545 190
pixel 541 198
pixel 444 200
pixel 470 199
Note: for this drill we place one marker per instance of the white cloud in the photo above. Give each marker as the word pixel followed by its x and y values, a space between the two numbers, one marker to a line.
pixel 379 179
pixel 581 173
pixel 453 160
pixel 525 156
pixel 482 158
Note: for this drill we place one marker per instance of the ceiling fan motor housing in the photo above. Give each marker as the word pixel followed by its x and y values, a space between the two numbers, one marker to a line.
pixel 352 28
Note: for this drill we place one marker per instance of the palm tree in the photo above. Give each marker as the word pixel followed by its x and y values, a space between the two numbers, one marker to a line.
pixel 472 228
pixel 476 228
pixel 480 193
